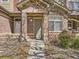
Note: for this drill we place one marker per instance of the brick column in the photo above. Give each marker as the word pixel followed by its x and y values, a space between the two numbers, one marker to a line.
pixel 45 27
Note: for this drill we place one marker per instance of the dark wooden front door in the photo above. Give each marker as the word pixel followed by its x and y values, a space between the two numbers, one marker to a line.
pixel 34 27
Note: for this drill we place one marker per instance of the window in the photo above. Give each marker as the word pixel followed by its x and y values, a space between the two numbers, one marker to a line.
pixel 55 23
pixel 74 5
pixel 70 25
pixel 15 25
pixel 4 1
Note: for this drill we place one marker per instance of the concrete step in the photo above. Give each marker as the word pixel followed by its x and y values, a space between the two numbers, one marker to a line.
pixel 36 50
pixel 34 57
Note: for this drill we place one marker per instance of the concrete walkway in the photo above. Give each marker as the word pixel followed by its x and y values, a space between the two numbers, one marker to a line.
pixel 36 50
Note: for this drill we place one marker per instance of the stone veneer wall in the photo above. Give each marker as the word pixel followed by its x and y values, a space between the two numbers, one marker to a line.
pixel 45 27
pixel 11 47
pixel 53 36
pixel 4 25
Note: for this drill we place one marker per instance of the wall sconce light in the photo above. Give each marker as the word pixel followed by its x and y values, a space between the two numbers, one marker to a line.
pixel 31 20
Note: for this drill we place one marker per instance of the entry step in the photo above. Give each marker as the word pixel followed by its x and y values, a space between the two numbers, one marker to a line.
pixel 36 50
pixel 34 57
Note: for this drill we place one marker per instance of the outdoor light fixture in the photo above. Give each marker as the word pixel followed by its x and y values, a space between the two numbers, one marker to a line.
pixel 31 20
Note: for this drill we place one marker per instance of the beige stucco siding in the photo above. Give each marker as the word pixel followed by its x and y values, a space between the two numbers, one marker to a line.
pixel 4 25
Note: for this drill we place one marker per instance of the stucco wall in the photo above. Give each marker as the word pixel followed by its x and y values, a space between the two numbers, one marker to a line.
pixel 4 25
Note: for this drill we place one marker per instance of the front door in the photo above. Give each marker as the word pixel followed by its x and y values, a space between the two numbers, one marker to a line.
pixel 34 26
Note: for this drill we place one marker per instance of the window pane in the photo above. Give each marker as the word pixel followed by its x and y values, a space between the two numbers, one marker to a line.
pixel 57 26
pixel 4 1
pixel 74 5
pixel 70 25
pixel 51 26
pixel 17 26
pixel 55 23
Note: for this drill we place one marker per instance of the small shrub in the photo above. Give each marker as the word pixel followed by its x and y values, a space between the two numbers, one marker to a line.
pixel 64 39
pixel 75 43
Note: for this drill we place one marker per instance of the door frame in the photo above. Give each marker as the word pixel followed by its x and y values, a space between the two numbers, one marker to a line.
pixel 42 20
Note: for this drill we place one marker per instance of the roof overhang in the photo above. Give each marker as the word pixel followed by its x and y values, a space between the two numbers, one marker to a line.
pixel 43 4
pixel 74 16
pixel 3 10
pixel 7 14
pixel 26 3
pixel 15 14
pixel 4 13
pixel 62 7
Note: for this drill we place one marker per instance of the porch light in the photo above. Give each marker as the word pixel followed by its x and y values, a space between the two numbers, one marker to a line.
pixel 30 20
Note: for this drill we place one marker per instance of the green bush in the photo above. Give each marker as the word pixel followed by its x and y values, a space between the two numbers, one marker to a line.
pixel 64 39
pixel 75 43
